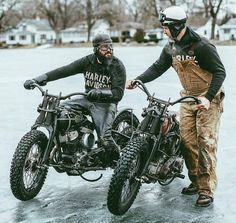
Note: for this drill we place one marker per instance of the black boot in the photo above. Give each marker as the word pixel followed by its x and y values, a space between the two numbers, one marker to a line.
pixel 190 190
pixel 111 151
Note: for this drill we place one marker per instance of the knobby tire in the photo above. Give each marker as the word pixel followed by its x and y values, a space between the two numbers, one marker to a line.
pixel 133 151
pixel 20 162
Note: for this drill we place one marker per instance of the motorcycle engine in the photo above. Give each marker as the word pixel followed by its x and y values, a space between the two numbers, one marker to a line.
pixel 78 140
pixel 167 170
pixel 75 135
pixel 167 161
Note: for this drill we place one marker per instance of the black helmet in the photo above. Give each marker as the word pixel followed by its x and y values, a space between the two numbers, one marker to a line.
pixel 101 39
pixel 175 18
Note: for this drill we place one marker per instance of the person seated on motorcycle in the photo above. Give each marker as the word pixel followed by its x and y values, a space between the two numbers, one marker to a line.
pixel 105 77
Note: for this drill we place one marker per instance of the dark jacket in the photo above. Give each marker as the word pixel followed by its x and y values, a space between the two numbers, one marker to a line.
pixel 112 76
pixel 190 45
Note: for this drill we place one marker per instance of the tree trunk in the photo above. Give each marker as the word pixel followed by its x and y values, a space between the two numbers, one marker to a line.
pixel 89 33
pixel 57 41
pixel 213 25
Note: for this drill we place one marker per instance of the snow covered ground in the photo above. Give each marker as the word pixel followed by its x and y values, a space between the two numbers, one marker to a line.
pixel 70 199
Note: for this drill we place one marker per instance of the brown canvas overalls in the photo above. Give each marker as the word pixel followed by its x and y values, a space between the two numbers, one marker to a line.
pixel 199 128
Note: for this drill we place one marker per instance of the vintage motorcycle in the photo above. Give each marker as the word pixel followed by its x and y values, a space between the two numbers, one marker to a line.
pixel 66 142
pixel 152 155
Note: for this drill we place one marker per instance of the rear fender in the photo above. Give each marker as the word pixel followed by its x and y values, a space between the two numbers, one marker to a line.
pixel 123 110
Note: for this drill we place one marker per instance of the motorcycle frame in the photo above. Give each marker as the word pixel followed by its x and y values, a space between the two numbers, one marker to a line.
pixel 48 118
pixel 151 126
pixel 155 122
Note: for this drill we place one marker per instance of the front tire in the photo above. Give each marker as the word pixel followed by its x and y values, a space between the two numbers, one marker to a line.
pixel 124 185
pixel 26 176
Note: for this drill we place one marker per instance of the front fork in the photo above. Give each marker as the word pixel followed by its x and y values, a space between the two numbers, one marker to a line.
pixel 51 135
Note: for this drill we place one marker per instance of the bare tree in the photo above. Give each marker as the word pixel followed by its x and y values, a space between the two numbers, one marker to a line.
pixel 172 2
pixel 89 7
pixel 133 10
pixel 59 14
pixel 146 12
pixel 91 16
pixel 156 7
pixel 166 3
pixel 120 16
pixel 49 9
pixel 27 9
pixel 110 10
pixel 206 7
pixel 212 7
pixel 67 10
pixel 5 7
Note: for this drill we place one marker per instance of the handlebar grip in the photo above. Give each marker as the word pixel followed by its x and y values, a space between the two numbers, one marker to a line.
pixel 134 82
pixel 138 82
pixel 32 87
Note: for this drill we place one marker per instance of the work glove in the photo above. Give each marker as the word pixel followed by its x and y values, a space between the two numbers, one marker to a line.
pixel 40 80
pixel 99 95
pixel 29 84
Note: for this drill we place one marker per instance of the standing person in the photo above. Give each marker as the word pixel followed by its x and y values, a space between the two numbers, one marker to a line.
pixel 105 77
pixel 201 74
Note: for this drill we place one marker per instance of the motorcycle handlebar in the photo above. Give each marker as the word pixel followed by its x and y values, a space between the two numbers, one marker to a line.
pixel 184 99
pixel 144 88
pixel 56 96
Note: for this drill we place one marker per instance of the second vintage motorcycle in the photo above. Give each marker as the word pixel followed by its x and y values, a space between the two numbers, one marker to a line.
pixel 152 155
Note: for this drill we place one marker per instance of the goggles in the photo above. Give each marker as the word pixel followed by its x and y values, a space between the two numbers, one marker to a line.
pixel 165 21
pixel 105 47
pixel 162 18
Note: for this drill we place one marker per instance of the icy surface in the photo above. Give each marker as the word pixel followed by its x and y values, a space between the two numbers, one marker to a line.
pixel 70 199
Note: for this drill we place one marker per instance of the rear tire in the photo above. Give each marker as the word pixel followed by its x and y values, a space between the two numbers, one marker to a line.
pixel 26 177
pixel 124 186
pixel 123 125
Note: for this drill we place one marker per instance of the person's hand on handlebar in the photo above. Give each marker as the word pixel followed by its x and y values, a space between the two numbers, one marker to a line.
pixel 131 84
pixel 29 84
pixel 205 103
pixel 40 80
pixel 100 94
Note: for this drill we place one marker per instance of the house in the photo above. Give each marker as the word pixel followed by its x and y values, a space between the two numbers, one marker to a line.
pixel 79 33
pixel 100 26
pixel 30 31
pixel 205 30
pixel 2 38
pixel 126 31
pixel 228 30
pixel 154 35
pixel 76 34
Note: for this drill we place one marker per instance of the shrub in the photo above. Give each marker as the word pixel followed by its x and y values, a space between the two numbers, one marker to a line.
pixel 139 35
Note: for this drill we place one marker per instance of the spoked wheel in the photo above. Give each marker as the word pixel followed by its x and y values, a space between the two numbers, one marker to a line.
pixel 27 176
pixel 123 126
pixel 130 184
pixel 124 185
